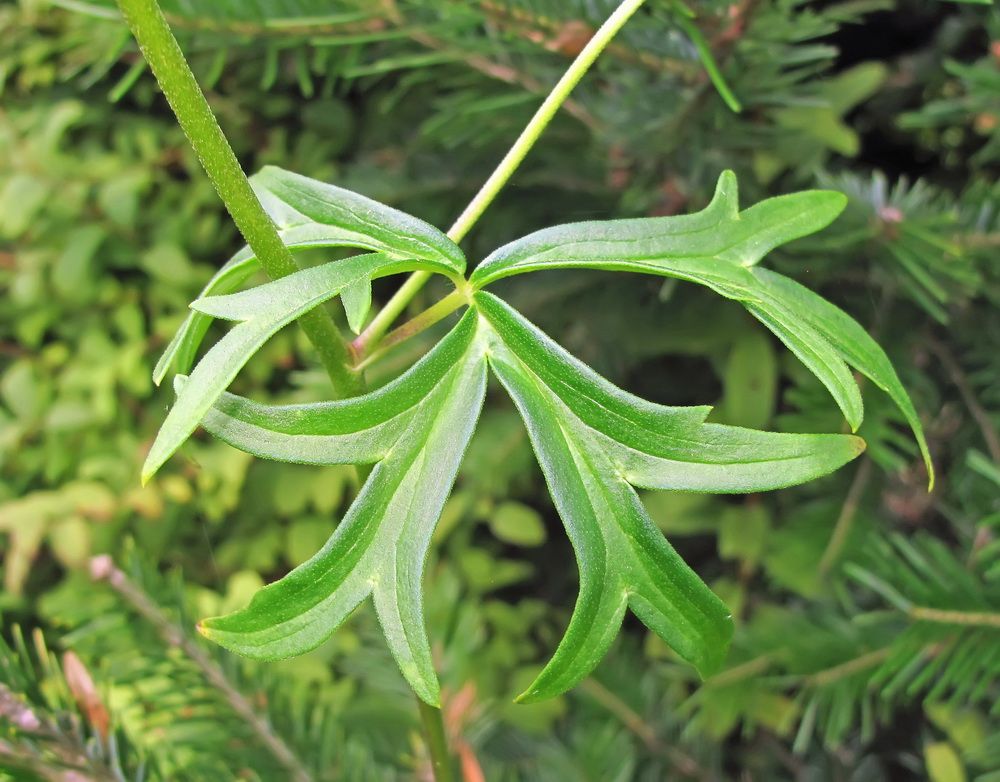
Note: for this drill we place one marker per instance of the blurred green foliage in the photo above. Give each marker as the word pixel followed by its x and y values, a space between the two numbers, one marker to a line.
pixel 108 229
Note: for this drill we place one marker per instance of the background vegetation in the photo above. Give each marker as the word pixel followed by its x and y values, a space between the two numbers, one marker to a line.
pixel 868 612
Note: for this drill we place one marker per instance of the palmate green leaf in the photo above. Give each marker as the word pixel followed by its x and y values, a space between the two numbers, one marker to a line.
pixel 416 429
pixel 594 442
pixel 720 247
pixel 309 213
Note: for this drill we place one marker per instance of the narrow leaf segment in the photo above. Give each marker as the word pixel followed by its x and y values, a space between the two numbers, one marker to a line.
pixel 262 312
pixel 417 429
pixel 720 247
pixel 594 441
pixel 309 213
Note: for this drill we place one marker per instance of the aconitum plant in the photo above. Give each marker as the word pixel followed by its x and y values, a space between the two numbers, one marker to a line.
pixel 595 442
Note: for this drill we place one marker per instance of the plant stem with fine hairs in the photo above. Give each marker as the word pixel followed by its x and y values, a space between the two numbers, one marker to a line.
pixel 185 97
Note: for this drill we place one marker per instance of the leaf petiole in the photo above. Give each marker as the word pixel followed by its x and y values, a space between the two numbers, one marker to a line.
pixel 506 168
pixel 411 328
pixel 179 86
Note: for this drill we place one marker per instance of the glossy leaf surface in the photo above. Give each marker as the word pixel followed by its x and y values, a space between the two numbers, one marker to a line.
pixel 417 428
pixel 720 247
pixel 310 213
pixel 262 312
pixel 594 441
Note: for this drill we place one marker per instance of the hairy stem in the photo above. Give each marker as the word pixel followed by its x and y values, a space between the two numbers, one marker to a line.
pixel 437 742
pixel 542 118
pixel 185 97
pixel 506 168
pixel 103 569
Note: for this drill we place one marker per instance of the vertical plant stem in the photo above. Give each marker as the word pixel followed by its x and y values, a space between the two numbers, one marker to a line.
pixel 503 172
pixel 437 742
pixel 542 118
pixel 185 97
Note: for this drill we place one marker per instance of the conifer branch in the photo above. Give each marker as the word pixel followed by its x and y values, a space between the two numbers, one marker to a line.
pixel 850 668
pixel 103 569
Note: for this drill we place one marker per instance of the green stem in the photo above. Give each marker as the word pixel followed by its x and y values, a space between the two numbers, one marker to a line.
pixel 185 97
pixel 503 172
pixel 542 118
pixel 437 742
pixel 388 314
pixel 421 322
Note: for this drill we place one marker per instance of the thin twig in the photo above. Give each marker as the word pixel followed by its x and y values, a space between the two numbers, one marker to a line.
pixel 629 718
pixel 740 672
pixel 847 513
pixel 967 618
pixel 851 667
pixel 534 27
pixel 961 382
pixel 507 75
pixel 103 569
pixel 642 729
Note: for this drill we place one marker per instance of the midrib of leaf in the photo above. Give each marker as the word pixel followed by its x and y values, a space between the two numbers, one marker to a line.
pixel 364 446
pixel 377 229
pixel 827 318
pixel 396 233
pixel 596 607
pixel 350 431
pixel 611 503
pixel 574 432
pixel 381 546
pixel 629 425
